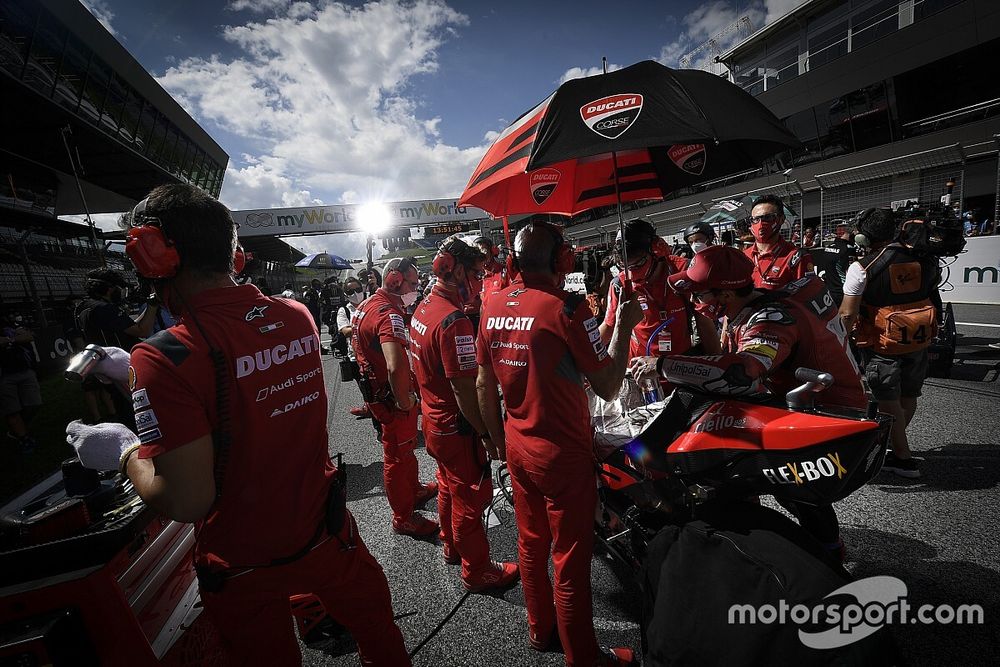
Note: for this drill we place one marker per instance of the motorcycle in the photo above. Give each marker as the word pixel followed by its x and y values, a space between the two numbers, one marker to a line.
pixel 695 448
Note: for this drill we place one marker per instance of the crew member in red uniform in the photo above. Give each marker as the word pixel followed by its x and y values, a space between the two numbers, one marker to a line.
pixel 649 265
pixel 539 342
pixel 494 276
pixel 770 334
pixel 776 261
pixel 380 342
pixel 444 360
pixel 231 418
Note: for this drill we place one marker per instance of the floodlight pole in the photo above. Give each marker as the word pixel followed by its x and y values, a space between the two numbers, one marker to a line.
pixel 79 188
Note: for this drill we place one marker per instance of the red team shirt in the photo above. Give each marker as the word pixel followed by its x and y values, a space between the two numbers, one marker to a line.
pixel 378 320
pixel 783 264
pixel 659 302
pixel 442 347
pixel 278 469
pixel 538 339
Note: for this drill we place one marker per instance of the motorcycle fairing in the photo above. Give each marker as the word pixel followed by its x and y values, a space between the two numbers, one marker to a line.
pixel 748 448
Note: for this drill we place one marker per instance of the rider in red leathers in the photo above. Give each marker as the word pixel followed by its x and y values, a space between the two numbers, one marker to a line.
pixel 768 336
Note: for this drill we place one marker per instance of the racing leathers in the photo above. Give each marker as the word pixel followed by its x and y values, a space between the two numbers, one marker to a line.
pixel 442 348
pixel 770 338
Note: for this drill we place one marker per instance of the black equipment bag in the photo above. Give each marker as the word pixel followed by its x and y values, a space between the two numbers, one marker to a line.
pixel 941 353
pixel 740 554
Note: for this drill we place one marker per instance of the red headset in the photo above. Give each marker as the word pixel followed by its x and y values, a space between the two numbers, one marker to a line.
pixel 444 263
pixel 393 277
pixel 153 254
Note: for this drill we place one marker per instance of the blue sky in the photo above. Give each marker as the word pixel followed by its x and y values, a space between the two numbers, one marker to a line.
pixel 323 102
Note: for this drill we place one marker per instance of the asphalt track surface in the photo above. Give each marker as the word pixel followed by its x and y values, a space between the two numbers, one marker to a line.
pixel 940 534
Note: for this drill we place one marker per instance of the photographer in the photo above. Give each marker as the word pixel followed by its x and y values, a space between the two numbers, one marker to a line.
pixel 102 316
pixel 891 297
pixel 219 447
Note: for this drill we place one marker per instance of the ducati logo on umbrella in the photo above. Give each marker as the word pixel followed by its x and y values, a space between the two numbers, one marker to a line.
pixel 612 116
pixel 543 183
pixel 688 157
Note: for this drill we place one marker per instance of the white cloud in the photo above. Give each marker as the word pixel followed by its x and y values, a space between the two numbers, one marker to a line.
pixel 101 12
pixel 323 98
pixel 257 6
pixel 706 21
pixel 580 72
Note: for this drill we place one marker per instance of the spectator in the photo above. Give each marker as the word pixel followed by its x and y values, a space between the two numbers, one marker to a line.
pixel 311 298
pixel 891 294
pixel 776 261
pixel 20 395
pixel 288 292
pixel 344 322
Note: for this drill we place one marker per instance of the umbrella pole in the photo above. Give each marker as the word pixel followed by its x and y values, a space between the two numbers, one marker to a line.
pixel 627 284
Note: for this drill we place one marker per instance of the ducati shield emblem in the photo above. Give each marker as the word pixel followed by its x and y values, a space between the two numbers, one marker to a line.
pixel 688 157
pixel 612 116
pixel 543 183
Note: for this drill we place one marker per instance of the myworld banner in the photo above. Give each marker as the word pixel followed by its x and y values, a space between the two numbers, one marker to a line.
pixel 345 218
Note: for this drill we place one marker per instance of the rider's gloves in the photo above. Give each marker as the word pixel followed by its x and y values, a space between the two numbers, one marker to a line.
pixel 101 447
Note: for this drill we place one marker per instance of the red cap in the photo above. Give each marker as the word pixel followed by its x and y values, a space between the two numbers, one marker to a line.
pixel 715 267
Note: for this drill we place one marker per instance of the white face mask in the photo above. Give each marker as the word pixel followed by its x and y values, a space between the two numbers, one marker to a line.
pixel 698 246
pixel 356 298
pixel 409 298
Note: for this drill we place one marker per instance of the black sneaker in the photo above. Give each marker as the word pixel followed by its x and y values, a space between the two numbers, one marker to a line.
pixel 903 467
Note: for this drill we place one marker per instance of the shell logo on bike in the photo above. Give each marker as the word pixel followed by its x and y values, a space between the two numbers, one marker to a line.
pixel 801 472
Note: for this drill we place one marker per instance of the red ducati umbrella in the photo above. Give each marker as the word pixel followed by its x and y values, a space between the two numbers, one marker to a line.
pixel 637 133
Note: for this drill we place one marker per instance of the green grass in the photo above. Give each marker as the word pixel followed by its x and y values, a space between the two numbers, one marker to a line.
pixel 62 402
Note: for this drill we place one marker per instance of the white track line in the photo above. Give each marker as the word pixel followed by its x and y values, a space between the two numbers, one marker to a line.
pixel 978 324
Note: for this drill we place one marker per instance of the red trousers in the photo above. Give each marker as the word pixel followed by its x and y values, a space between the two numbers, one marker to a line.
pixel 464 491
pixel 554 506
pixel 253 616
pixel 399 465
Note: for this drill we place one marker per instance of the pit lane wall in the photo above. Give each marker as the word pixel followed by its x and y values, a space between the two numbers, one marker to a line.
pixel 345 218
pixel 975 274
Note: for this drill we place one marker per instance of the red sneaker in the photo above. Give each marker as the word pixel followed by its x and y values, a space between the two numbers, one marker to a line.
pixel 426 492
pixel 361 412
pixel 415 526
pixel 617 657
pixel 451 556
pixel 500 575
